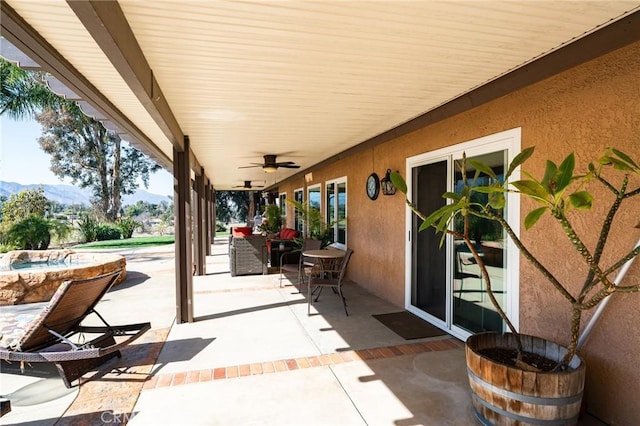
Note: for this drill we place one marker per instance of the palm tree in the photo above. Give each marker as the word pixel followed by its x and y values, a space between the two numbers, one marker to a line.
pixel 80 147
pixel 23 94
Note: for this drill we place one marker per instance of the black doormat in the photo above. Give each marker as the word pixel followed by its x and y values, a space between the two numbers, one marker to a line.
pixel 408 326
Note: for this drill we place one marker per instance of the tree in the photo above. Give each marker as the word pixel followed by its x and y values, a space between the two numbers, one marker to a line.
pixel 80 147
pixel 22 94
pixel 232 205
pixel 25 224
pixel 25 203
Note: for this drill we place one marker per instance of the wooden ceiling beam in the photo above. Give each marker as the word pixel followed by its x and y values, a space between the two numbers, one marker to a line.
pixel 24 37
pixel 108 26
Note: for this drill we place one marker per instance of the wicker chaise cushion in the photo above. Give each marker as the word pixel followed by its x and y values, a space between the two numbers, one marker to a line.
pixel 17 326
pixel 13 326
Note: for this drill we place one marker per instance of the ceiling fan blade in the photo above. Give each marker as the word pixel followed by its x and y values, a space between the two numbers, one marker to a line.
pixel 289 166
pixel 285 163
pixel 249 167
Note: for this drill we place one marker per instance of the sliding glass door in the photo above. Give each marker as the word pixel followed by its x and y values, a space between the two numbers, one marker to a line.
pixel 444 283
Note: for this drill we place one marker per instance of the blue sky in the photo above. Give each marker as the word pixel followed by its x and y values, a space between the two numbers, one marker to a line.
pixel 22 160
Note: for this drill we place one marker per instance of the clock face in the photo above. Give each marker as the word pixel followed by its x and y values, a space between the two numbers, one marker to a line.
pixel 373 186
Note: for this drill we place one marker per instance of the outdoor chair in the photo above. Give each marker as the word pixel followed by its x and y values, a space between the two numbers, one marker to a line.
pixel 53 333
pixel 303 262
pixel 332 274
pixel 461 274
pixel 248 255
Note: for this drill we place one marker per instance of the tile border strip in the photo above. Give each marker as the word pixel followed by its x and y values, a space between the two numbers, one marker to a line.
pixel 289 364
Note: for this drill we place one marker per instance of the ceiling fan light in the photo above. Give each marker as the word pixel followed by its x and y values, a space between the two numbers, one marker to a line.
pixel 270 169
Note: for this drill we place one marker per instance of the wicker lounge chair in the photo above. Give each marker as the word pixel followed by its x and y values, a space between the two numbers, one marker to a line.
pixel 46 336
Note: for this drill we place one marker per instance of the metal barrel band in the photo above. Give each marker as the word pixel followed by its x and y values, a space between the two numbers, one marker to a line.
pixel 533 421
pixel 525 398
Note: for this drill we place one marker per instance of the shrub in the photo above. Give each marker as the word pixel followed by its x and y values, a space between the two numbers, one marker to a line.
pixel 127 225
pixel 220 227
pixel 4 248
pixel 88 227
pixel 107 231
pixel 30 233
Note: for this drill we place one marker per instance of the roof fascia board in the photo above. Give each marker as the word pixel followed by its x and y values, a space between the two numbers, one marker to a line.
pixel 17 31
pixel 108 26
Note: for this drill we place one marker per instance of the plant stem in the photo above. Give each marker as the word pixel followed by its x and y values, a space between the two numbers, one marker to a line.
pixel 604 232
pixel 527 254
pixel 576 315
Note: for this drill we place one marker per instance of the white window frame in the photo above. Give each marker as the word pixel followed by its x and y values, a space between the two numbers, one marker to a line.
pixel 295 212
pixel 313 187
pixel 335 182
pixel 282 201
pixel 509 140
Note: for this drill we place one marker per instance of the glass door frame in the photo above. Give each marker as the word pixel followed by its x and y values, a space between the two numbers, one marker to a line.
pixel 509 140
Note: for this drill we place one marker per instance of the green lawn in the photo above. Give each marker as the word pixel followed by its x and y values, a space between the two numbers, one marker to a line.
pixel 130 242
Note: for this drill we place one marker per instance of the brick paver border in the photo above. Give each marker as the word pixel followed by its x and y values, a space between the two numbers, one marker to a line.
pixel 231 372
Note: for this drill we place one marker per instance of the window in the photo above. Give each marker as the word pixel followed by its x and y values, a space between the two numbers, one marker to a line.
pixel 298 195
pixel 282 202
pixel 336 213
pixel 314 199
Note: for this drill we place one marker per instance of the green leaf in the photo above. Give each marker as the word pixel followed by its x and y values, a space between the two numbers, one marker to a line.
pixel 445 212
pixel 625 157
pixel 620 165
pixel 423 226
pixel 533 217
pixel 497 200
pixel 565 172
pixel 532 189
pixel 581 200
pixel 548 181
pixel 435 216
pixel 482 167
pixel 489 189
pixel 443 223
pixel 398 182
pixel 519 159
pixel 452 196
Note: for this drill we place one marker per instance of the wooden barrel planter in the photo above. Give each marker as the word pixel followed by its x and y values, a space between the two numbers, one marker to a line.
pixel 504 395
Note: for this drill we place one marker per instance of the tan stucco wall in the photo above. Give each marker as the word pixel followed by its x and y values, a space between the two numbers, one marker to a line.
pixel 584 110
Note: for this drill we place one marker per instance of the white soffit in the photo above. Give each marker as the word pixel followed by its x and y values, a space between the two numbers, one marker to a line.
pixel 309 79
pixel 57 23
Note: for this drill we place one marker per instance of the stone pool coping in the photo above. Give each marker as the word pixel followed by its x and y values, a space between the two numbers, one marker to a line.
pixel 20 286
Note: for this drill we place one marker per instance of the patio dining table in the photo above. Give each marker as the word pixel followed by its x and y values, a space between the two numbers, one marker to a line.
pixel 325 260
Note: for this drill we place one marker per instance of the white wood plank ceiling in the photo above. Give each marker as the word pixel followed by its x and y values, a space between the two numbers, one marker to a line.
pixel 309 79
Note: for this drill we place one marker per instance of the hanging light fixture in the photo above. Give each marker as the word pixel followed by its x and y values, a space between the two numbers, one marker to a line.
pixel 388 188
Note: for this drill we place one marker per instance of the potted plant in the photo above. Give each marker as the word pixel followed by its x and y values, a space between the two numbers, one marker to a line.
pixel 316 228
pixel 272 221
pixel 516 377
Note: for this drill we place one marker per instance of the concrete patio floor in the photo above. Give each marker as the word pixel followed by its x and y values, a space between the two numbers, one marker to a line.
pixel 252 356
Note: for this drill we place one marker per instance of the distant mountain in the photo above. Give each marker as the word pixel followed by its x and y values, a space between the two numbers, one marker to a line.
pixel 69 194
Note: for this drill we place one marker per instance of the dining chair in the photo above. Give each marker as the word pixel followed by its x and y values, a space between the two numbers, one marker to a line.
pixel 332 275
pixel 460 274
pixel 303 263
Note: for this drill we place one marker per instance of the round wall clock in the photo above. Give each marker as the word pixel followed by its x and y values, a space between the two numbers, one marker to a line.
pixel 373 186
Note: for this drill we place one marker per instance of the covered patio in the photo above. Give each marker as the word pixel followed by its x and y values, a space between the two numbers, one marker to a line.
pixel 251 356
pixel 344 90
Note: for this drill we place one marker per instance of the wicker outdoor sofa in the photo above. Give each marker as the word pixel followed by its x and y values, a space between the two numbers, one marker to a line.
pixel 248 255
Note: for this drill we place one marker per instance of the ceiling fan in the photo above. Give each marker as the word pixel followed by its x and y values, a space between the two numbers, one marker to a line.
pixel 270 165
pixel 247 185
